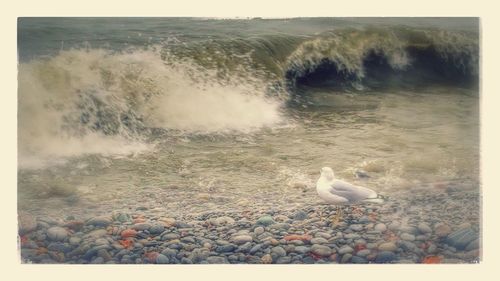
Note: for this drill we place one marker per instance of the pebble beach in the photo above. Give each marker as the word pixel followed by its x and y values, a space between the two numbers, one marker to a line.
pixel 410 227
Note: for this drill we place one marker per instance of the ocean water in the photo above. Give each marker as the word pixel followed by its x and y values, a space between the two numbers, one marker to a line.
pixel 201 114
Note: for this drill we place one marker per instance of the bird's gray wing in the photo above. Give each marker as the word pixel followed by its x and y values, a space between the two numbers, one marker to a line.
pixel 349 191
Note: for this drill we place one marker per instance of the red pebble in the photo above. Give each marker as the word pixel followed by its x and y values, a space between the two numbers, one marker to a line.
pixel 128 233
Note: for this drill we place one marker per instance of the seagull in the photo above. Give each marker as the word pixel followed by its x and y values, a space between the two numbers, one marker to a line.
pixel 338 192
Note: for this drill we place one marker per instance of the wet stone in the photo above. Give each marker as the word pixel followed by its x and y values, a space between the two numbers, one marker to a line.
pixel 461 238
pixel 156 229
pixel 57 233
pixel 216 260
pixel 99 221
pixel 321 250
pixel 265 221
pixel 385 257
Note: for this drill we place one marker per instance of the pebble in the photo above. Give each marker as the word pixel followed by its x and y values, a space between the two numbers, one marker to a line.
pixel 394 226
pixel 302 249
pixel 27 223
pixel 280 226
pixel 461 238
pixel 473 245
pixel 319 240
pixel 380 227
pixel 300 215
pixel 363 253
pixel 442 230
pixel 358 260
pixel 226 248
pixel 258 230
pixel 408 229
pixel 156 229
pixel 321 250
pixel 242 239
pixel 424 228
pixel 356 227
pixel 388 246
pixel 284 260
pixel 217 260
pixel 265 221
pixel 278 251
pixel 225 220
pixel 346 258
pixel 407 237
pixel 162 259
pixel 266 259
pixel 99 221
pixel 345 249
pixel 141 226
pixel 94 234
pixel 170 236
pixel 385 257
pixel 57 233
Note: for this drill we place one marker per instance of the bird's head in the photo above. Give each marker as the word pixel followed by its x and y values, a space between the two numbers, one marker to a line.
pixel 327 173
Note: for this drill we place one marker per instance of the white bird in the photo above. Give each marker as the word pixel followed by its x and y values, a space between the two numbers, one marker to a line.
pixel 338 192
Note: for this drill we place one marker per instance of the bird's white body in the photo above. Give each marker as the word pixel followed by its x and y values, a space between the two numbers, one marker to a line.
pixel 338 192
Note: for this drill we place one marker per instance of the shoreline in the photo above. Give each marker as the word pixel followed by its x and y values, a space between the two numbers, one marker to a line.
pixel 414 228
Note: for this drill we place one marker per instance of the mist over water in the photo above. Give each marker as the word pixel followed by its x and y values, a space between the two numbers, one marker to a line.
pixel 241 109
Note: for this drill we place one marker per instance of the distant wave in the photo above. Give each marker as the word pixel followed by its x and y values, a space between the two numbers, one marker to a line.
pixel 384 57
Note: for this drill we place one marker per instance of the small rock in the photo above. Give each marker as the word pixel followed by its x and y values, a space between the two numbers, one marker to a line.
pixel 245 247
pixel 57 233
pixel 358 260
pixel 385 257
pixel 27 223
pixel 266 259
pixel 321 250
pixel 363 253
pixel 278 251
pixel 424 228
pixel 473 245
pixel 284 260
pixel 170 253
pixel 94 234
pixel 242 239
pixel 224 221
pixel 356 227
pixel 74 241
pixel 461 238
pixel 394 226
pixel 103 253
pixel 345 249
pixel 388 246
pixel 442 230
pixel 162 259
pixel 99 221
pixel 255 249
pixel 280 226
pixel 319 240
pixel 407 237
pixel 380 227
pixel 258 230
pixel 302 249
pixel 141 226
pixel 300 215
pixel 98 260
pixel 346 258
pixel 122 217
pixel 170 236
pixel 156 229
pixel 226 248
pixel 265 221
